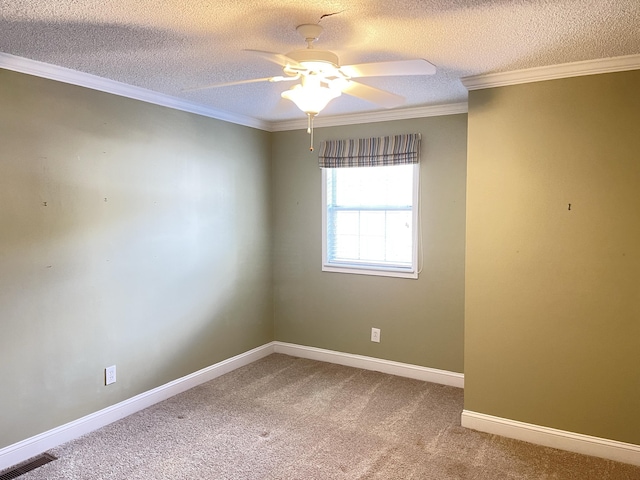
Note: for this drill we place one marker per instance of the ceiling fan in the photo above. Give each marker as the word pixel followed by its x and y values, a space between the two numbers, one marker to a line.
pixel 322 78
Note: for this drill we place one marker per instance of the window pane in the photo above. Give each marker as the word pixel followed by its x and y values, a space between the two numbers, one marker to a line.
pixel 372 224
pixel 369 216
pixel 399 237
pixel 347 247
pixel 372 249
pixel 347 223
pixel 373 186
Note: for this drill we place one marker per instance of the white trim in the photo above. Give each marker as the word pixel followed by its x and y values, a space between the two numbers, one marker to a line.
pixel 87 80
pixel 417 372
pixel 551 437
pixel 94 82
pixel 370 268
pixel 26 449
pixel 21 451
pixel 371 117
pixel 552 72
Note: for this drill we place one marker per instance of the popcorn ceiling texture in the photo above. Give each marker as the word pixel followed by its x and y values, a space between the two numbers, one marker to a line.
pixel 167 46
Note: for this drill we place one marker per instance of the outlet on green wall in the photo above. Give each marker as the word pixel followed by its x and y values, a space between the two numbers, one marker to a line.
pixel 422 319
pixel 131 234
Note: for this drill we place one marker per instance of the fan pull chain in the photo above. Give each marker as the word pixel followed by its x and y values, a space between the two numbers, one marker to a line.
pixel 310 117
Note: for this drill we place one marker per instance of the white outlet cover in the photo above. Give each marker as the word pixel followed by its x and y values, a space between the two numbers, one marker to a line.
pixel 110 375
pixel 375 335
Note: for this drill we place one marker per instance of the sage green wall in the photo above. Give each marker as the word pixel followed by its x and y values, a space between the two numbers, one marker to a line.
pixel 552 329
pixel 421 320
pixel 152 252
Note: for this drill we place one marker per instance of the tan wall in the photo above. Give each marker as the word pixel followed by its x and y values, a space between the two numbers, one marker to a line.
pixel 552 327
pixel 421 320
pixel 152 252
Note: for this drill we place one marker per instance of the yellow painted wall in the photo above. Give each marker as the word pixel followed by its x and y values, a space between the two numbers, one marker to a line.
pixel 552 319
pixel 130 234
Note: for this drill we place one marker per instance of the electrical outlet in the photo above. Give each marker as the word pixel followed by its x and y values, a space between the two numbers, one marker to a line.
pixel 110 375
pixel 375 335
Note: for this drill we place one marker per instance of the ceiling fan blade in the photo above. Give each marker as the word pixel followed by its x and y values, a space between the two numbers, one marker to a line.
pixel 278 58
pixel 241 82
pixel 372 94
pixel 392 68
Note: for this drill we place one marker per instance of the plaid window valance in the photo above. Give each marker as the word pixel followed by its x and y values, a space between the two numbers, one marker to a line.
pixel 370 152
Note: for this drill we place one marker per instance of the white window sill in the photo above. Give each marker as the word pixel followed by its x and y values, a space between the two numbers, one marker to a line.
pixel 376 271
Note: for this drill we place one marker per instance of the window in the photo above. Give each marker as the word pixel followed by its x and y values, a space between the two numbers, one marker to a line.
pixel 370 217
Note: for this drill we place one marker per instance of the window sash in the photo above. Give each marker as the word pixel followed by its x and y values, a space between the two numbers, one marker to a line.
pixel 332 263
pixel 385 241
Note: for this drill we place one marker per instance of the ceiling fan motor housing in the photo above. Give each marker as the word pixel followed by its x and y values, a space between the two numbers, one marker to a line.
pixel 313 56
pixel 316 61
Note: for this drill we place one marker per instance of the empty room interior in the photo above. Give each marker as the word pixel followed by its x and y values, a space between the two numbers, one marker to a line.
pixel 162 214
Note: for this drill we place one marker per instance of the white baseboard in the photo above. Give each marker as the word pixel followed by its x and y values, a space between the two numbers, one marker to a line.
pixel 551 437
pixel 426 374
pixel 26 449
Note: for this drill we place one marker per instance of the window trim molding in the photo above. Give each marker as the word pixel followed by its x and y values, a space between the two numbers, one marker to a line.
pixel 369 269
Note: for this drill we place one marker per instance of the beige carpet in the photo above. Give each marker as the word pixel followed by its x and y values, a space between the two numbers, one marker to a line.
pixel 288 418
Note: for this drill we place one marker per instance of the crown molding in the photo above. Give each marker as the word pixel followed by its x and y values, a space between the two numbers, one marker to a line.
pixel 477 82
pixel 94 82
pixel 371 117
pixel 553 72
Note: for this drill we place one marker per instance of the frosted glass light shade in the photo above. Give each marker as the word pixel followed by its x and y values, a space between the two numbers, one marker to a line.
pixel 311 99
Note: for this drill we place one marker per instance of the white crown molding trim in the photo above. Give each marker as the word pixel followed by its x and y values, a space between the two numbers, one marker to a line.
pixel 371 117
pixel 26 449
pixel 552 72
pixel 87 80
pixel 417 372
pixel 551 437
pixel 94 82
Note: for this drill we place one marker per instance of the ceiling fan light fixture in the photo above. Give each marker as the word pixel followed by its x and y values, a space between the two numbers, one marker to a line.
pixel 322 78
pixel 311 98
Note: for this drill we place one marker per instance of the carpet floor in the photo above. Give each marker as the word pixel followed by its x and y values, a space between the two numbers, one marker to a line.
pixel 289 418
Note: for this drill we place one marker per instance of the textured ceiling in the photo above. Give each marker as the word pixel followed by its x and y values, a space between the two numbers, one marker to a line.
pixel 170 45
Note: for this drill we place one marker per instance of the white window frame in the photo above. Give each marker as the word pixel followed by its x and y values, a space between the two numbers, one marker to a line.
pixel 368 268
